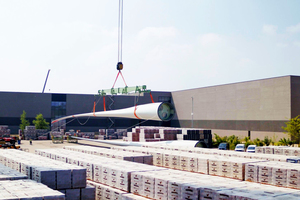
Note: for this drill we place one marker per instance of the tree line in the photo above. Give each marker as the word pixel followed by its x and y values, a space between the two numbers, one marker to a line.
pixel 39 122
pixel 292 129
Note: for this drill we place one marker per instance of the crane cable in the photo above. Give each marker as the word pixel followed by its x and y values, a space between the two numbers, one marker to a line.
pixel 120 31
pixel 120 42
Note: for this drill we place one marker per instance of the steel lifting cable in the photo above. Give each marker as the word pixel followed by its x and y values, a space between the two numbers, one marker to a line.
pixel 120 31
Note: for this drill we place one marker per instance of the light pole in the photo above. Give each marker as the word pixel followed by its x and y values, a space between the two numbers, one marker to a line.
pixel 192 112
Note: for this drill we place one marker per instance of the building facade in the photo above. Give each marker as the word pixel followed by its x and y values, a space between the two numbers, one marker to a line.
pixel 54 106
pixel 256 108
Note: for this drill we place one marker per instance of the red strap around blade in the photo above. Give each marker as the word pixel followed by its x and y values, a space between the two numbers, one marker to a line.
pixel 135 112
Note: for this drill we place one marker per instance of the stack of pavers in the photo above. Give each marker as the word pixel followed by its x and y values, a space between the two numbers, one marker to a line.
pixel 66 178
pixel 90 135
pixel 110 153
pixel 42 134
pixel 278 150
pixel 15 185
pixel 108 171
pixel 4 131
pixel 274 173
pixel 231 167
pixel 112 181
pixel 30 133
pixel 27 189
pixel 174 184
pixel 7 173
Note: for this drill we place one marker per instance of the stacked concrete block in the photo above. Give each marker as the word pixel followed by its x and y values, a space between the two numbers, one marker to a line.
pixel 6 173
pixel 4 131
pixel 42 134
pixel 279 175
pixel 103 170
pixel 52 173
pixel 104 192
pixel 132 156
pixel 90 135
pixel 174 184
pixel 30 133
pixel 293 176
pixel 28 189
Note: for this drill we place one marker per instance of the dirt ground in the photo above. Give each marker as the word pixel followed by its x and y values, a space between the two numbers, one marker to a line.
pixel 47 144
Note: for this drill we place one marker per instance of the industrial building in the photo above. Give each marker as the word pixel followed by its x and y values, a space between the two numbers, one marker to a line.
pixel 253 108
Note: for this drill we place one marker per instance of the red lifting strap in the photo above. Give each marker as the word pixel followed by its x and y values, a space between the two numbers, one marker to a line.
pixel 117 79
pixel 104 103
pixel 151 97
pixel 135 112
pixel 94 108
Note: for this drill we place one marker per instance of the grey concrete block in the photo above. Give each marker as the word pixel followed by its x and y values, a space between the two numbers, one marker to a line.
pixel 63 179
pixel 78 178
pixel 72 194
pixel 88 193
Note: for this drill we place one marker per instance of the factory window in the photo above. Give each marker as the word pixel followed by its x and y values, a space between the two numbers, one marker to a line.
pixel 58 110
pixel 164 99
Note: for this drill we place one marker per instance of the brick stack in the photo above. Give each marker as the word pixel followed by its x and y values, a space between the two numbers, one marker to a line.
pixel 110 153
pixel 7 173
pixel 28 189
pixel 90 135
pixel 4 131
pixel 66 178
pixel 106 171
pixel 42 134
pixel 30 133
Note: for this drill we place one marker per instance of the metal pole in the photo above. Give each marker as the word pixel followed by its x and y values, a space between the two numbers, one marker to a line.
pixel 192 112
pixel 46 81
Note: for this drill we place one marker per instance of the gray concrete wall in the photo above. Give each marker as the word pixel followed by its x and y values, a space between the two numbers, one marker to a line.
pixel 12 104
pixel 261 105
pixel 295 101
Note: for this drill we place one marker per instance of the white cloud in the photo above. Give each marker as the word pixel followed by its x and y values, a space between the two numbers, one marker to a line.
pixel 210 39
pixel 293 29
pixel 281 45
pixel 157 33
pixel 297 43
pixel 269 29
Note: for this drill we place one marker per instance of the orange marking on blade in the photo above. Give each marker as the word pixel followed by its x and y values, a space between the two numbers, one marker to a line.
pixel 135 113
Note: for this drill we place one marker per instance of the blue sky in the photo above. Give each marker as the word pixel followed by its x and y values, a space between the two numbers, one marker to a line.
pixel 168 45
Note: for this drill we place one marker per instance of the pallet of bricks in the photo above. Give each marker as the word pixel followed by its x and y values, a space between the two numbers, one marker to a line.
pixel 278 150
pixel 4 131
pixel 109 171
pixel 113 181
pixel 63 177
pixel 206 164
pixel 30 133
pixel 90 135
pixel 121 133
pixel 15 185
pixel 110 134
pixel 42 134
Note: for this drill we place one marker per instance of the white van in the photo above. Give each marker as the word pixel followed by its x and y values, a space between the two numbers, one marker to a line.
pixel 240 147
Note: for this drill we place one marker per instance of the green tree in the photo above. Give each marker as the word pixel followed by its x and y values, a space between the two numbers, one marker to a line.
pixel 233 140
pixel 285 142
pixel 258 142
pixel 24 121
pixel 217 140
pixel 247 141
pixel 293 129
pixel 40 122
pixel 267 141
